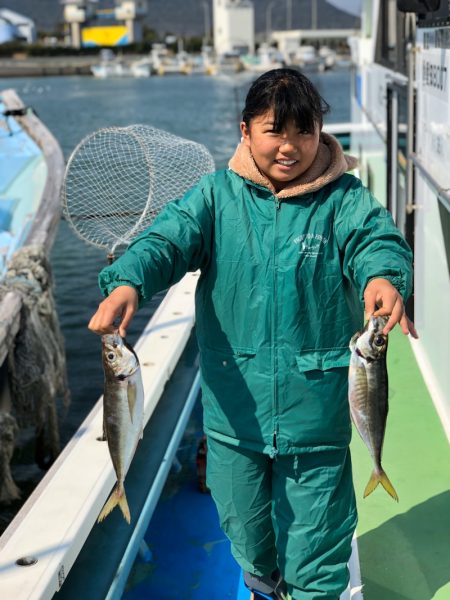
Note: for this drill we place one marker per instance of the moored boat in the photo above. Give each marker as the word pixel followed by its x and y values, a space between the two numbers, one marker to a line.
pixel 32 364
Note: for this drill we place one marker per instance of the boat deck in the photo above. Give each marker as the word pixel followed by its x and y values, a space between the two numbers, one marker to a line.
pixel 404 548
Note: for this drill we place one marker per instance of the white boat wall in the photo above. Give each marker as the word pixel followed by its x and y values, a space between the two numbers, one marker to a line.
pixel 401 99
pixel 32 363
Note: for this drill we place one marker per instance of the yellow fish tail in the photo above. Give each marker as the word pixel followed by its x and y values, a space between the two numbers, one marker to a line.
pixel 117 497
pixel 380 477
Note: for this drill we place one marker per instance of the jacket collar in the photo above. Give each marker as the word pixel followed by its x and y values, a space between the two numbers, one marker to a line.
pixel 329 164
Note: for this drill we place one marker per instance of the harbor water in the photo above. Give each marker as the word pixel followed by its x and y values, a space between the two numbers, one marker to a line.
pixel 204 109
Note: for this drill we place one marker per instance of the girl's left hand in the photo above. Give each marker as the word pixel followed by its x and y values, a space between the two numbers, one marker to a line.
pixel 381 292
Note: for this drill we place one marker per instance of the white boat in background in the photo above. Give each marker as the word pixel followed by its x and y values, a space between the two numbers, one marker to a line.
pixel 141 67
pixel 166 63
pixel 265 59
pixel 111 65
pixel 204 64
pixel 327 58
pixel 106 70
pixel 305 57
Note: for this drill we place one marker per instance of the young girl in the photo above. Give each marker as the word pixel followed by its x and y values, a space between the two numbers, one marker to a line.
pixel 289 245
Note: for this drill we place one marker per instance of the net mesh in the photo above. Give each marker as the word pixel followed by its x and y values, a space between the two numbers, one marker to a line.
pixel 118 179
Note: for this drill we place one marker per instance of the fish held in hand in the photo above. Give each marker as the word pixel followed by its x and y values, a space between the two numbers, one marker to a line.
pixel 368 395
pixel 123 413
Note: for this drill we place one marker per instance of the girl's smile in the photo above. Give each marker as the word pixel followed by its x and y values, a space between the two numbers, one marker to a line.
pixel 281 156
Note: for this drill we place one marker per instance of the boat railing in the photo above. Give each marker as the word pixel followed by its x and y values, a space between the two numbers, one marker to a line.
pixel 443 194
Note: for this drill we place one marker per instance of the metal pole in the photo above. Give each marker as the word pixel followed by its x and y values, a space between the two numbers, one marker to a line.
pixel 314 14
pixel 288 14
pixel 410 131
pixel 269 21
pixel 394 165
pixel 206 22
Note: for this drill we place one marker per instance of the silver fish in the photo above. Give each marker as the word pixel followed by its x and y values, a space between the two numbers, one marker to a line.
pixel 123 413
pixel 368 395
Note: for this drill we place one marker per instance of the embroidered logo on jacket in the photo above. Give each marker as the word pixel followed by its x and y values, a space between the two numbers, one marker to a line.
pixel 311 244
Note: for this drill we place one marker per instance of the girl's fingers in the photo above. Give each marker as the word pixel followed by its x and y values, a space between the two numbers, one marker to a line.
pixel 383 311
pixel 399 316
pixel 410 328
pixel 126 319
pixel 382 294
pixel 121 304
pixel 396 316
pixel 103 320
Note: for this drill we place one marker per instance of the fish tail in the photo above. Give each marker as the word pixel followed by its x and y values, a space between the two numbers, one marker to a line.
pixel 117 497
pixel 380 477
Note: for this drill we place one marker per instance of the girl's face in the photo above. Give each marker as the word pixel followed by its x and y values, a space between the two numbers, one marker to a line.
pixel 282 156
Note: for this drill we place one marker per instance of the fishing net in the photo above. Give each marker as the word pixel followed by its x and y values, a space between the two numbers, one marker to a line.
pixel 36 365
pixel 118 179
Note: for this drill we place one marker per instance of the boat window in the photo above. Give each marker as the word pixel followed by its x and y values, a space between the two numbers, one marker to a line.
pixel 397 107
pixel 392 35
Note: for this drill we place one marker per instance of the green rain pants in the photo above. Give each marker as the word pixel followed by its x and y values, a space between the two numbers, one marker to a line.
pixel 296 512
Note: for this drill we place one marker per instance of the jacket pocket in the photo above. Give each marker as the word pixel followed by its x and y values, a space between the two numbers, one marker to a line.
pixel 323 359
pixel 230 384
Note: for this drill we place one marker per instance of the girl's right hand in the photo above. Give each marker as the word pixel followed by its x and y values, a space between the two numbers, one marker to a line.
pixel 123 303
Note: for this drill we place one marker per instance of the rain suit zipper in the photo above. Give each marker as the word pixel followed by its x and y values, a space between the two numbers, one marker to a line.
pixel 274 449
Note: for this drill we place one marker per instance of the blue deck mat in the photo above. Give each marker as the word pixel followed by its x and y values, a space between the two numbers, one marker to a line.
pixel 191 557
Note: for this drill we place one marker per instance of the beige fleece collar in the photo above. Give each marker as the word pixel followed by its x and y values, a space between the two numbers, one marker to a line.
pixel 329 164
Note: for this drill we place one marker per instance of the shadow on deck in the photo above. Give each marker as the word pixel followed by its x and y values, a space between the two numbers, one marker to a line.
pixel 417 542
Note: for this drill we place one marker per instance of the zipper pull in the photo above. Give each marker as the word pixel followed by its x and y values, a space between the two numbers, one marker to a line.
pixel 274 450
pixel 273 453
pixel 277 203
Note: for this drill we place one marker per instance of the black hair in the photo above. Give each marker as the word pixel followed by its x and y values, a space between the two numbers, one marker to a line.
pixel 290 95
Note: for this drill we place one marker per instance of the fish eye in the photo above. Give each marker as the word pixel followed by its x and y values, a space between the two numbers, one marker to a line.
pixel 110 356
pixel 379 340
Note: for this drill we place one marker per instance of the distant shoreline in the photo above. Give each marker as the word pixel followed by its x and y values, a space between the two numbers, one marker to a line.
pixel 47 66
pixel 51 66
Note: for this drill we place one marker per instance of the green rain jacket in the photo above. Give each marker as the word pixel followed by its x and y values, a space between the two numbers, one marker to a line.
pixel 279 295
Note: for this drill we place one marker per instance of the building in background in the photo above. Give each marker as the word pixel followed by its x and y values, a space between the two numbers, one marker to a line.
pixel 233 27
pixel 16 27
pixel 91 25
pixel 289 41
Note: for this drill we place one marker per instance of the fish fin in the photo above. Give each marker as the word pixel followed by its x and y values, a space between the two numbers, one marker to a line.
pixel 380 477
pixel 117 497
pixel 131 394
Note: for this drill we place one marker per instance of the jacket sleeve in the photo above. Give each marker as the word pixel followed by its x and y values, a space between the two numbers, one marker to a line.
pixel 178 241
pixel 370 243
